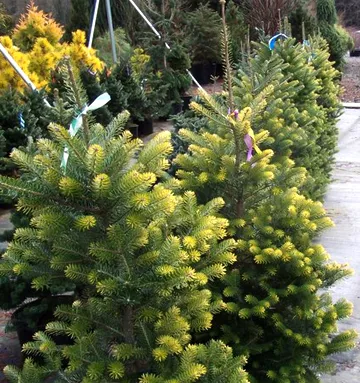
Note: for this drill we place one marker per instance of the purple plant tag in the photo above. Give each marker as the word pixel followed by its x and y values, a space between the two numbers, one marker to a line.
pixel 249 145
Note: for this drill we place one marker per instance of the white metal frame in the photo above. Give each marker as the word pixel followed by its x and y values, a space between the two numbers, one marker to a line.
pixel 30 84
pixel 110 24
pixel 18 70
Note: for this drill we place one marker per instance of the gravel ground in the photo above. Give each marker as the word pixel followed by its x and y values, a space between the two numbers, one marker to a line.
pixel 9 346
pixel 351 80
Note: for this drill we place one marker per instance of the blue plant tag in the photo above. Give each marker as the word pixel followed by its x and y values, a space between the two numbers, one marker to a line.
pixel 273 40
pixel 21 121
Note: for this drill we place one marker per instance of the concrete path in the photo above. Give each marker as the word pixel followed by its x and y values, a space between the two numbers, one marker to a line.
pixel 9 344
pixel 343 241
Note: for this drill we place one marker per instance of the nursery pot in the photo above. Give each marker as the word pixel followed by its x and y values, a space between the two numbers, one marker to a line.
pixel 203 72
pixel 26 321
pixel 6 205
pixel 219 70
pixel 133 128
pixel 186 102
pixel 145 127
pixel 177 108
pixel 355 53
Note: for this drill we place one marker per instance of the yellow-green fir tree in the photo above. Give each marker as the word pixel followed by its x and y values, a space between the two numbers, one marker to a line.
pixel 277 309
pixel 139 256
pixel 302 114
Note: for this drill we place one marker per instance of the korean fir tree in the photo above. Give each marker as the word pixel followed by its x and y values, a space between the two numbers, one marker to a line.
pixel 140 259
pixel 304 100
pixel 275 310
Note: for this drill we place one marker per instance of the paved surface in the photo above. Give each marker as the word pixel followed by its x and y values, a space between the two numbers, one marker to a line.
pixel 9 344
pixel 343 241
pixel 4 225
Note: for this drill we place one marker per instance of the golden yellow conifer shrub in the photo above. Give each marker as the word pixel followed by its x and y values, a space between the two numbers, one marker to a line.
pixel 34 24
pixel 8 77
pixel 36 46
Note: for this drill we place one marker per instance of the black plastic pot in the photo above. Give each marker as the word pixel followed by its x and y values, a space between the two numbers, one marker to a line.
pixel 133 128
pixel 145 127
pixel 177 108
pixel 355 53
pixel 186 102
pixel 6 205
pixel 34 316
pixel 203 72
pixel 219 70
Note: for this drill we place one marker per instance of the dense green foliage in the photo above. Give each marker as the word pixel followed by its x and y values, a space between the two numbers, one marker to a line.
pixel 310 135
pixel 299 16
pixel 123 48
pixel 326 11
pixel 13 105
pixel 238 28
pixel 139 257
pixel 79 17
pixel 204 268
pixel 345 39
pixel 6 22
pixel 275 309
pixel 204 35
pixel 338 39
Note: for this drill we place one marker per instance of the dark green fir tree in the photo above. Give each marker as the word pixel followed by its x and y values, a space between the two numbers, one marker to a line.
pixel 338 39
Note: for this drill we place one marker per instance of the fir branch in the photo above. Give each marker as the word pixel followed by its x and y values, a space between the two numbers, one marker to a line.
pixel 227 56
pixel 80 105
pixel 145 335
pixel 78 316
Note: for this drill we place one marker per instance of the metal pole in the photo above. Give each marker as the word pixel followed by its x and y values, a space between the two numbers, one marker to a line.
pixel 111 30
pixel 19 71
pixel 15 65
pixel 159 36
pixel 145 18
pixel 93 23
pixel 194 79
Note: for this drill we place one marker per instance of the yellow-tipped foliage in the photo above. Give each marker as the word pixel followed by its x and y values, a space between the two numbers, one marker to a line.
pixel 36 46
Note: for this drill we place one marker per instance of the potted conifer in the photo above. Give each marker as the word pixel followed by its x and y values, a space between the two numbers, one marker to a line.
pixel 139 255
pixel 167 80
pixel 204 42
